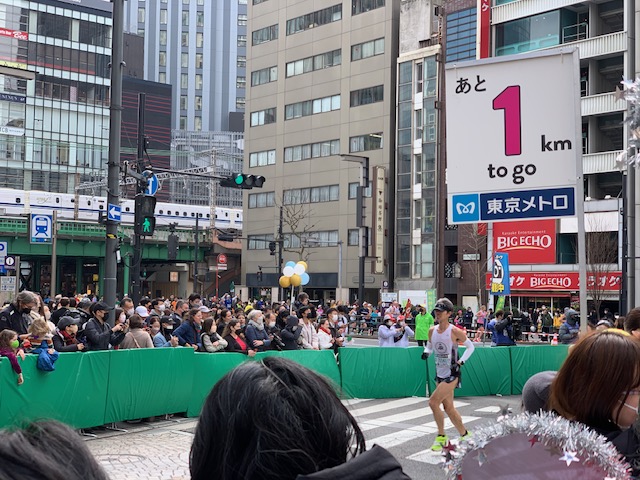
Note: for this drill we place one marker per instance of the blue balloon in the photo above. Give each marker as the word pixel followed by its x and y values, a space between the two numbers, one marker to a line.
pixel 290 264
pixel 305 278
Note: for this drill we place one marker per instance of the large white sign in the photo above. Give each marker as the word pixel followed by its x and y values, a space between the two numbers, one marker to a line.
pixel 513 137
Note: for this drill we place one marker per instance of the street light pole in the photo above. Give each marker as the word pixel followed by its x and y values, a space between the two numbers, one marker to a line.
pixel 361 218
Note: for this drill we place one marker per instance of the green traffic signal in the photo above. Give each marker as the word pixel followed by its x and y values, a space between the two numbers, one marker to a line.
pixel 145 220
pixel 239 179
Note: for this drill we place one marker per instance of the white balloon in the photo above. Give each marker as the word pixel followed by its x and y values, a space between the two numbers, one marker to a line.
pixel 299 269
pixel 287 271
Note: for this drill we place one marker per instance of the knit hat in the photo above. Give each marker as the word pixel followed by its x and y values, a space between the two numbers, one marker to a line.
pixel 535 393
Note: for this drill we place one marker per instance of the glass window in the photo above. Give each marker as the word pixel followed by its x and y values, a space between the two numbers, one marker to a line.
pixel 184 80
pixel 199 39
pixel 162 77
pixel 242 40
pixel 266 75
pixel 184 60
pixel 530 33
pixel 241 61
pixel 263 117
pixel 366 96
pixel 367 49
pixel 197 123
pixel 353 237
pixel 241 82
pixel 261 159
pixel 163 37
pixel 198 103
pixel 261 200
pixel 198 60
pixel 361 6
pixel 184 102
pixel 141 15
pixel 199 19
pixel 264 35
pixel 353 190
pixel 163 17
pixel 362 143
pixel 315 19
pixel 183 123
pixel 184 39
pixel 162 59
pixel 198 81
pixel 185 18
pixel 242 19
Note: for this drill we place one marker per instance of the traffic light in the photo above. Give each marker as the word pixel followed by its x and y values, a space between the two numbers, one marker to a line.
pixel 272 248
pixel 145 220
pixel 241 180
pixel 259 274
pixel 172 247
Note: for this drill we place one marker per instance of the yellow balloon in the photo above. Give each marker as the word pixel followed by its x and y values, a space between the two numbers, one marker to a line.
pixel 284 282
pixel 304 264
pixel 296 280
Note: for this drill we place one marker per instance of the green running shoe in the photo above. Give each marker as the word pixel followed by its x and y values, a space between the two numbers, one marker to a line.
pixel 439 443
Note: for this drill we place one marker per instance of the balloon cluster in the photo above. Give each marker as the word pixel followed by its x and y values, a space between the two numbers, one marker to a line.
pixel 294 275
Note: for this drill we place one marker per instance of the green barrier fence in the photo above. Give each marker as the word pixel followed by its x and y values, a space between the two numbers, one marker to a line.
pixel 94 388
pixel 382 372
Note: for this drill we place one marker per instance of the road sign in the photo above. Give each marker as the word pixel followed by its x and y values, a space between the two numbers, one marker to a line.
pixel 501 281
pixel 3 249
pixel 152 185
pixel 114 212
pixel 41 228
pixel 7 284
pixel 513 137
pixel 222 261
pixel 9 262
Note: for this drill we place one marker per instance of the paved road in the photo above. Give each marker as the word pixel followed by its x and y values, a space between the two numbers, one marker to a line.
pixel 160 450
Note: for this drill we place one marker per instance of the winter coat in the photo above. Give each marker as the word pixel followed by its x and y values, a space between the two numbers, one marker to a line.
pixel 99 335
pixel 290 337
pixel 208 343
pixel 13 319
pixel 186 333
pixel 253 333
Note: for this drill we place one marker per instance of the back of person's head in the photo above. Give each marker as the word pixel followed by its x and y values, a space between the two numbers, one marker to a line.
pixel 136 321
pixel 72 302
pixel 596 378
pixel 64 302
pixel 84 304
pixel 632 320
pixel 272 419
pixel 38 327
pixel 500 313
pixel 43 450
pixel 292 321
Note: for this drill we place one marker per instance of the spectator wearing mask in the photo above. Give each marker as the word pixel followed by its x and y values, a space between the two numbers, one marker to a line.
pixel 126 304
pixel 65 339
pixel 255 333
pixel 569 330
pixel 290 334
pixel 188 332
pixel 209 339
pixel 271 324
pixel 424 321
pixel 309 335
pixel 235 341
pixel 100 335
pixel 164 337
pixel 325 339
pixel 178 314
pixel 195 300
pixel 137 337
pixel 337 330
pixel 157 309
pixel 10 348
pixel 387 333
pixel 501 330
pixel 142 312
pixel 404 332
pixel 17 316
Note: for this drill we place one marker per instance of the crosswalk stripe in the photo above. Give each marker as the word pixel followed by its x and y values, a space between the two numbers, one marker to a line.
pixel 393 404
pixel 401 417
pixel 399 437
pixel 348 402
pixel 491 409
pixel 427 456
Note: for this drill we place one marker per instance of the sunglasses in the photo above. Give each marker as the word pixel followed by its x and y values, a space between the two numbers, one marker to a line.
pixel 442 306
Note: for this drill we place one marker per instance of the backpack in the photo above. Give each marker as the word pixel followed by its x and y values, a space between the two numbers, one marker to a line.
pixel 501 325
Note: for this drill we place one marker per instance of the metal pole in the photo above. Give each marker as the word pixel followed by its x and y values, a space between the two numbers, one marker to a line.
pixel 623 308
pixel 196 287
pixel 280 252
pixel 54 255
pixel 136 277
pixel 113 182
pixel 339 270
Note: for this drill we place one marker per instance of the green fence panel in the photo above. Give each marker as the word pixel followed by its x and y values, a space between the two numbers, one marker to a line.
pixel 382 372
pixel 148 381
pixel 208 368
pixel 529 360
pixel 488 372
pixel 322 362
pixel 74 393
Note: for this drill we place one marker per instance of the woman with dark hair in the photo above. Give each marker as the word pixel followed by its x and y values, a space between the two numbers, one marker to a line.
pixel 291 333
pixel 599 385
pixel 235 341
pixel 210 340
pixel 224 319
pixel 165 338
pixel 281 421
pixel 136 337
pixel 46 450
pixel 188 332
pixel 632 323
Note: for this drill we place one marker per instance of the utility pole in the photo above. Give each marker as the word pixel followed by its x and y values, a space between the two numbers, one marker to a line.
pixel 136 267
pixel 113 172
pixel 196 287
pixel 280 252
pixel 54 256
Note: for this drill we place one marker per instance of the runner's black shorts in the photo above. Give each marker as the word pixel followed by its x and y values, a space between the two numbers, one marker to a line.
pixel 450 379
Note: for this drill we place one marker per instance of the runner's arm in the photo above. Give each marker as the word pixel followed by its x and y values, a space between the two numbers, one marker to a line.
pixel 467 353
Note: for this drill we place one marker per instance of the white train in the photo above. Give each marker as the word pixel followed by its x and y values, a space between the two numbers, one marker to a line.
pixel 19 202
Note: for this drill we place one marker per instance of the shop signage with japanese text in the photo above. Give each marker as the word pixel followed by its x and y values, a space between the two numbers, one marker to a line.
pixel 526 242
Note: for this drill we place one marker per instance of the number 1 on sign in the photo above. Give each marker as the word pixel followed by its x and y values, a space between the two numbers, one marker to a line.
pixel 509 101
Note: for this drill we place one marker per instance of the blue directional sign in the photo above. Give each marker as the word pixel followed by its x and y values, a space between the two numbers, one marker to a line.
pixel 41 228
pixel 152 185
pixel 518 205
pixel 114 212
pixel 3 249
pixel 500 282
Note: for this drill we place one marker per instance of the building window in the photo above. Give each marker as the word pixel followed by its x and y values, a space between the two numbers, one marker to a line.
pixel 366 96
pixel 530 33
pixel 163 37
pixel 184 39
pixel 461 35
pixel 162 77
pixel 162 59
pixel 362 143
pixel 314 19
pixel 312 150
pixel 184 60
pixel 197 123
pixel 367 49
pixel 263 117
pixel 199 39
pixel 317 62
pixel 50 25
pixel 240 101
pixel 266 75
pixel 184 102
pixel 262 200
pixel 312 107
pixel 353 190
pixel 242 19
pixel 241 61
pixel 141 15
pixel 242 2
pixel 198 60
pixel 264 35
pixel 163 17
pixel 256 2
pixel 241 82
pixel 362 6
pixel 184 80
pixel 259 242
pixel 185 18
pixel 199 19
pixel 198 103
pixel 198 81
pixel 242 40
pixel 312 239
pixel 261 159
pixel 183 123
pixel 298 196
pixel 353 237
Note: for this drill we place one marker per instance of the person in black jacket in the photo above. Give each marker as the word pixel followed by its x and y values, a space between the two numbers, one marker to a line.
pixel 65 339
pixel 61 311
pixel 100 335
pixel 291 333
pixel 306 431
pixel 17 316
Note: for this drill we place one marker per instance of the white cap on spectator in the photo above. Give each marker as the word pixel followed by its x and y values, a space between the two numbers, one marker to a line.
pixel 142 311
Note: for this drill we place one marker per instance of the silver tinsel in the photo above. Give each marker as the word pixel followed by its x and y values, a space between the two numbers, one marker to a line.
pixel 630 92
pixel 570 441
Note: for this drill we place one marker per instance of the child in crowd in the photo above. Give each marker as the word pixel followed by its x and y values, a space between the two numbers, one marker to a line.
pixel 38 332
pixel 10 348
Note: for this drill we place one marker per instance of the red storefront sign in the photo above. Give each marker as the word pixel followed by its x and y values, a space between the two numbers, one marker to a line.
pixel 484 30
pixel 5 32
pixel 526 242
pixel 560 281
